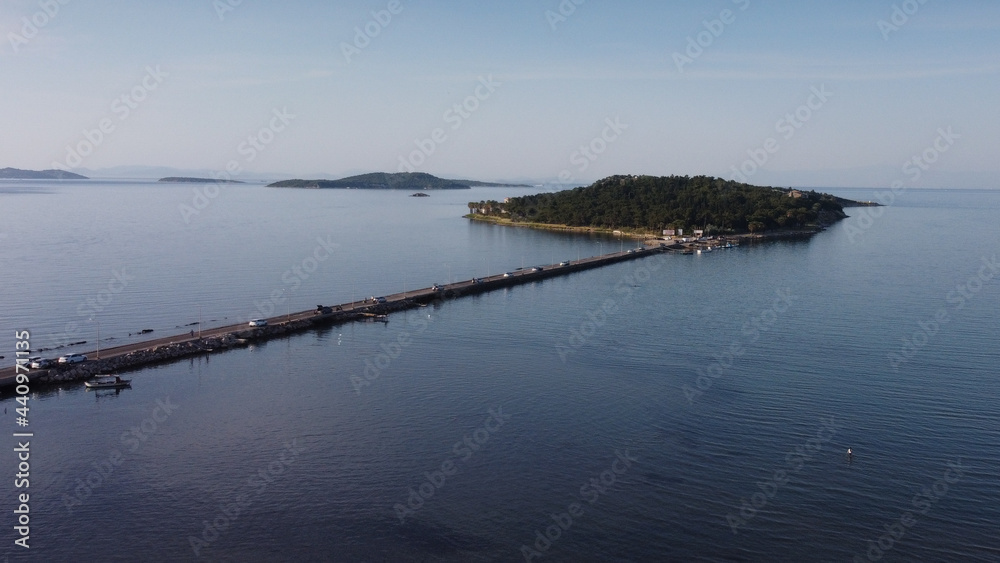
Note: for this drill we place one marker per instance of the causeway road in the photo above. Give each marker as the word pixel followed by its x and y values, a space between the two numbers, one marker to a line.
pixel 393 302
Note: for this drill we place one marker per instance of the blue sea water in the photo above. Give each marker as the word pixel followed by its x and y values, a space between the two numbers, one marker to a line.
pixel 675 408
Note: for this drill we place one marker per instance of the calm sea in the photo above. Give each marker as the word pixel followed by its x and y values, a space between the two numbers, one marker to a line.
pixel 675 408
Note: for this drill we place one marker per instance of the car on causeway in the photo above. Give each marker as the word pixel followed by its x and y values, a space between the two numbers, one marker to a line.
pixel 258 322
pixel 72 359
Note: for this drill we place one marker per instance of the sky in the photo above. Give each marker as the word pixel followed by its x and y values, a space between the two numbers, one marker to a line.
pixel 790 93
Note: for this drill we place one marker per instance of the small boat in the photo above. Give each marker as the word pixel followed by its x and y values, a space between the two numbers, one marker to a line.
pixel 108 382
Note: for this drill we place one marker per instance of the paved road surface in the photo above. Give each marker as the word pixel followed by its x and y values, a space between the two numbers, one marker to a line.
pixel 7 375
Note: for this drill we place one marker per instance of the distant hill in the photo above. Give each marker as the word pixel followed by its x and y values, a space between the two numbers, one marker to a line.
pixel 198 180
pixel 386 181
pixel 654 203
pixel 476 184
pixel 18 174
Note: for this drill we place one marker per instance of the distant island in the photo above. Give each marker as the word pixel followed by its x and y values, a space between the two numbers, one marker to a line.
pixel 475 184
pixel 18 174
pixel 386 181
pixel 649 205
pixel 198 180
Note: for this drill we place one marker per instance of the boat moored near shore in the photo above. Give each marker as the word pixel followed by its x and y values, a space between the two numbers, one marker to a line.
pixel 107 382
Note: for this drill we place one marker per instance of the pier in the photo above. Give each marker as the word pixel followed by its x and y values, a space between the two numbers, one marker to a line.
pixel 167 349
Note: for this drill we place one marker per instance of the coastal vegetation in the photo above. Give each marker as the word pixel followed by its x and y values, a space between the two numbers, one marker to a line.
pixel 652 203
pixel 387 181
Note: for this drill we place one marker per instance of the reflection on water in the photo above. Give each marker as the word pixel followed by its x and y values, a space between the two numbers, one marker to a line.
pixel 233 415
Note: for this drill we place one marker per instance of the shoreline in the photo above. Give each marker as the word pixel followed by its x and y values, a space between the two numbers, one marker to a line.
pixel 649 237
pixel 637 235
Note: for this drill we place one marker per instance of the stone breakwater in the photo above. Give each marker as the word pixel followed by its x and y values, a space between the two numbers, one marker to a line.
pixel 164 353
pixel 141 355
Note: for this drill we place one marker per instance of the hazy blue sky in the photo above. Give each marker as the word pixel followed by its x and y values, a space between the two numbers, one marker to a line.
pixel 556 84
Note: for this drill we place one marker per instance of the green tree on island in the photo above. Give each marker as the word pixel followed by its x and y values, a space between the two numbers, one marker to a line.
pixel 671 202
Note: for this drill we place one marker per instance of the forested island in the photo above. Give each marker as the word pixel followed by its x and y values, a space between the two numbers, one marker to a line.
pixel 476 184
pixel 387 181
pixel 18 174
pixel 650 204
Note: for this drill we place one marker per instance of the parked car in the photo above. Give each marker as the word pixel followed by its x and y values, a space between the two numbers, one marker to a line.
pixel 536 269
pixel 508 274
pixel 258 322
pixel 72 359
pixel 380 299
pixel 435 287
pixel 40 363
pixel 564 263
